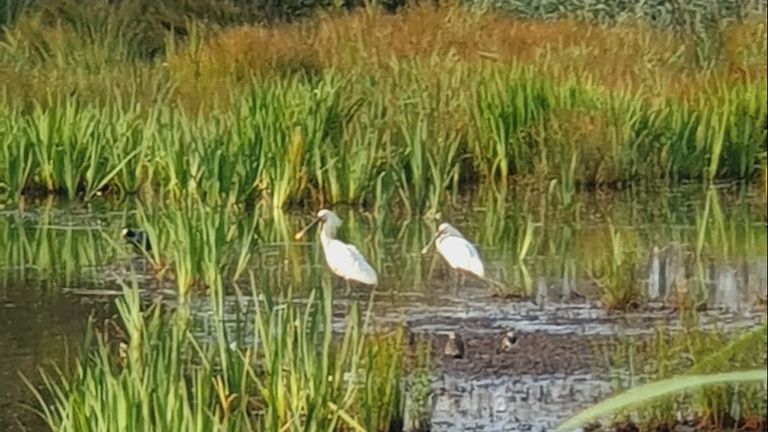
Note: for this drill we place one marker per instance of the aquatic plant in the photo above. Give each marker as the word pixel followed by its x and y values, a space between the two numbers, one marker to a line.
pixel 199 246
pixel 417 407
pixel 329 114
pixel 288 370
pixel 670 355
pixel 615 272
pixel 44 245
pixel 522 239
pixel 651 391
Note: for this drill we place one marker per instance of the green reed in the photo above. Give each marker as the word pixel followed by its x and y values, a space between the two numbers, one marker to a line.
pixel 358 143
pixel 197 247
pixel 405 134
pixel 615 271
pixel 667 389
pixel 667 354
pixel 527 242
pixel 289 371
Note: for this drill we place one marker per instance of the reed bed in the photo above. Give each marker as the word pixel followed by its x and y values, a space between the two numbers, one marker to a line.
pixel 671 353
pixel 367 107
pixel 284 370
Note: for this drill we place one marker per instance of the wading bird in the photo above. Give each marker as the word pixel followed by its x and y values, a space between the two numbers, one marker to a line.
pixel 343 259
pixel 508 341
pixel 139 240
pixel 458 252
pixel 454 346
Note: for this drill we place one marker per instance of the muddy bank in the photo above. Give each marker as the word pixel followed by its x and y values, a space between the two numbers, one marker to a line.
pixel 537 353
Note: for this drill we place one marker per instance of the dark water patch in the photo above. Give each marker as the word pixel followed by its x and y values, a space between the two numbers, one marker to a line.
pixel 38 326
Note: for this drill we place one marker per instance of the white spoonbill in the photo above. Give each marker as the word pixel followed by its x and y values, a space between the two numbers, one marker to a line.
pixel 343 259
pixel 457 251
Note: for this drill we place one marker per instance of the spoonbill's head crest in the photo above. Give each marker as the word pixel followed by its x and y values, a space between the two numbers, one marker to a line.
pixel 446 229
pixel 329 218
pixel 323 213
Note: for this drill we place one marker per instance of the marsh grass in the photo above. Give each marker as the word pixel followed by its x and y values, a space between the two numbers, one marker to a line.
pixel 416 108
pixel 522 236
pixel 663 389
pixel 200 247
pixel 289 372
pixel 616 272
pixel 693 351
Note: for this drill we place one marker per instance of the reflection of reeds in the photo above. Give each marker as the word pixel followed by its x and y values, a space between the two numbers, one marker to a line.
pixel 56 250
pixel 520 240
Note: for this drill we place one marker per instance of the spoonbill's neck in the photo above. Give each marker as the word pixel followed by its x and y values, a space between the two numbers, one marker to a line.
pixel 444 236
pixel 327 233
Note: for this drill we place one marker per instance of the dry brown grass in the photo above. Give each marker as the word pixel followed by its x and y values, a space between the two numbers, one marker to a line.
pixel 626 57
pixel 215 63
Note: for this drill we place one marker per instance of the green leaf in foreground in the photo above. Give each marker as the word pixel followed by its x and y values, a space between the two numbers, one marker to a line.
pixel 645 393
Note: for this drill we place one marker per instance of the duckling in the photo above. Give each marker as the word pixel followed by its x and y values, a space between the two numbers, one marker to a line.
pixel 507 342
pixel 454 347
pixel 139 240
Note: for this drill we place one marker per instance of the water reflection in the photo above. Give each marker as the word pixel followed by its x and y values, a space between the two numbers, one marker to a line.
pixel 513 403
pixel 733 284
pixel 38 327
pixel 541 251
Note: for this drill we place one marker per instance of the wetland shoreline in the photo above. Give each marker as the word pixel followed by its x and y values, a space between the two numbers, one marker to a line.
pixel 608 161
pixel 698 263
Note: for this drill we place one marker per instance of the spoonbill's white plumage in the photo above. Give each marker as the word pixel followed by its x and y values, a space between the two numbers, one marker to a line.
pixel 343 259
pixel 457 251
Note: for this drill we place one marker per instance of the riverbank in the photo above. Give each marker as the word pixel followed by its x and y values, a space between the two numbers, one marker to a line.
pixel 369 108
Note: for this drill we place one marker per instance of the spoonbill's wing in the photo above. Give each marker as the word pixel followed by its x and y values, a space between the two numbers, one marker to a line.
pixel 346 261
pixel 461 254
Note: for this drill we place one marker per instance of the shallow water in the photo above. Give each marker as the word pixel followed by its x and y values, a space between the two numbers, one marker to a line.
pixel 512 403
pixel 59 263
